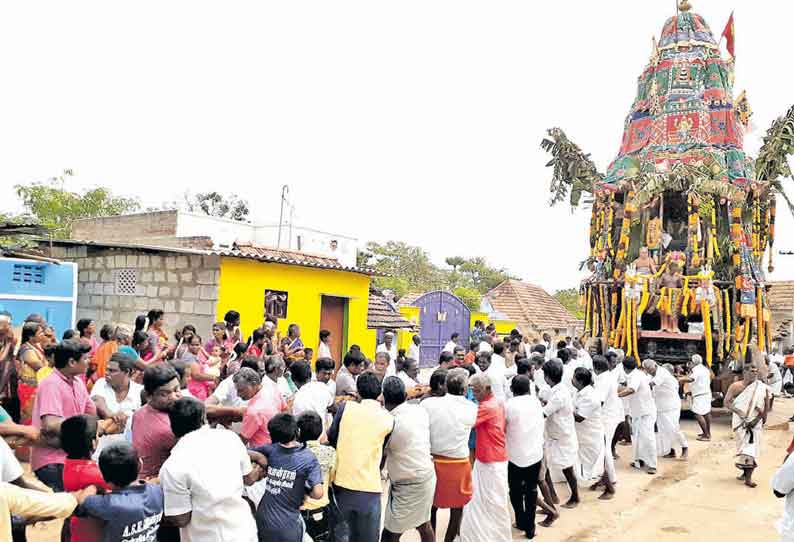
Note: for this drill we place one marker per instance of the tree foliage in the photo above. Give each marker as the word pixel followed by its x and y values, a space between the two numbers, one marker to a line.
pixel 410 269
pixel 570 300
pixel 54 207
pixel 216 204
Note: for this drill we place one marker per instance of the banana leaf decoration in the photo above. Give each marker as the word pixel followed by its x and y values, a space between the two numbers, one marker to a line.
pixel 574 171
pixel 772 163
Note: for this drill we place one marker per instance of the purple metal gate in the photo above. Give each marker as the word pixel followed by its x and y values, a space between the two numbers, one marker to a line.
pixel 440 315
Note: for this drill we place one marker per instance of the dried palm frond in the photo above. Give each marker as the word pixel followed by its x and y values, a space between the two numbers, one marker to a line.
pixel 574 171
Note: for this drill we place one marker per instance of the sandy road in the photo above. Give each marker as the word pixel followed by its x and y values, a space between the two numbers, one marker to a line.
pixel 698 500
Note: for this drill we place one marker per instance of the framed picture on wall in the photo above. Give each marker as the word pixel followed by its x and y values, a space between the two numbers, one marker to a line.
pixel 276 303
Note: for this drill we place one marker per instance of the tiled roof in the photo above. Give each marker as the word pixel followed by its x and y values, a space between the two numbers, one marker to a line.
pixel 781 295
pixel 408 299
pixel 382 315
pixel 289 257
pixel 530 306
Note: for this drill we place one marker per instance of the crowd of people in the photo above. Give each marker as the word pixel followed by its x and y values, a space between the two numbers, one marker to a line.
pixel 144 436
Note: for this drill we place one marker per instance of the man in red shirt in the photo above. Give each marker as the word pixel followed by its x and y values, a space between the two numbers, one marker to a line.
pixel 487 515
pixel 151 428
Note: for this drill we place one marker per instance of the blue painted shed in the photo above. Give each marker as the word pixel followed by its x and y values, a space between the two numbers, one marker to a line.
pixel 33 286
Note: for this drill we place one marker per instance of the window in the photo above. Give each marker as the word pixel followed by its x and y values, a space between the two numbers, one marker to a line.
pixel 126 281
pixel 29 275
pixel 276 303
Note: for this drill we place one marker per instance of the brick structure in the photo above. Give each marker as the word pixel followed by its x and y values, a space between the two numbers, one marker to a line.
pixel 117 284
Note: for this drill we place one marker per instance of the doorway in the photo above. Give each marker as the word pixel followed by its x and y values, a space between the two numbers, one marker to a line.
pixel 333 313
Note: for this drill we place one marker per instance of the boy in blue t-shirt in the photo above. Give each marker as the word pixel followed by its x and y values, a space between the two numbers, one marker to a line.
pixel 133 510
pixel 293 472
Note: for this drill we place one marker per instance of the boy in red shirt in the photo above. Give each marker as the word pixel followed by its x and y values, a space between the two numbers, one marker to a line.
pixel 79 441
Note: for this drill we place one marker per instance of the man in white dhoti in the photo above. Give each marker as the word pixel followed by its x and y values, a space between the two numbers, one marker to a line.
pixel 668 409
pixel 589 427
pixel 487 515
pixel 612 415
pixel 700 388
pixel 783 487
pixel 561 449
pixel 643 416
pixel 774 380
pixel 748 399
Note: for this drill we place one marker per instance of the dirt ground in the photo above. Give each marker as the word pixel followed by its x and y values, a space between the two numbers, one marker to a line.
pixel 698 500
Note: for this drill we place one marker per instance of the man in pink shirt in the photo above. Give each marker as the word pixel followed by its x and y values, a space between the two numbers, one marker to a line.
pixel 264 402
pixel 151 428
pixel 60 395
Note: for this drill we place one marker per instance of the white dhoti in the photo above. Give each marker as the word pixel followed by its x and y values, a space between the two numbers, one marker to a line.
pixel 487 515
pixel 643 439
pixel 609 461
pixel 701 404
pixel 752 402
pixel 670 434
pixel 561 453
pixel 591 452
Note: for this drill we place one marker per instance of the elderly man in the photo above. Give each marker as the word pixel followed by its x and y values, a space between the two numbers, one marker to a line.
pixel 487 515
pixel 748 399
pixel 451 418
pixel 700 388
pixel 412 478
pixel 409 375
pixel 264 402
pixel 388 345
pixel 561 447
pixel 668 409
pixel 643 416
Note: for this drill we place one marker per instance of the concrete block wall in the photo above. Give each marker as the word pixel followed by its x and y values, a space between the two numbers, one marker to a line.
pixel 184 286
pixel 136 228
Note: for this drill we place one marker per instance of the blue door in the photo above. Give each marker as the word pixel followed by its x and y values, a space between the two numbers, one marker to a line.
pixel 441 314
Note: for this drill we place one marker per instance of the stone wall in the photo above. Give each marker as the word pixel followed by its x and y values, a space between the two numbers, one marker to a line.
pixel 184 286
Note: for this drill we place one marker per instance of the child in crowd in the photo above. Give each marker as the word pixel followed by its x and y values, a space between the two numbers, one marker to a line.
pixel 308 355
pixel 292 473
pixel 213 367
pixel 49 357
pixel 133 509
pixel 181 369
pixel 315 511
pixel 79 440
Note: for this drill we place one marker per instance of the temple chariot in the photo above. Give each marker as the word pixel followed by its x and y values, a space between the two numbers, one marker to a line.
pixel 683 221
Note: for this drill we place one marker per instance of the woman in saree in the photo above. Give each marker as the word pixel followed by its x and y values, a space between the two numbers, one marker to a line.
pixel 30 359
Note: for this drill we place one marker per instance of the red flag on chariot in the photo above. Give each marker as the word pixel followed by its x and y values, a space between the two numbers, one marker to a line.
pixel 730 36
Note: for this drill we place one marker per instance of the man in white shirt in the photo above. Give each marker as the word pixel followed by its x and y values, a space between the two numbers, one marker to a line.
pixel 451 343
pixel 700 388
pixel 668 409
pixel 643 416
pixel 589 428
pixel 524 443
pixel 225 398
pixel 323 349
pixel 390 347
pixel 451 418
pixel 497 371
pixel 412 476
pixel 312 396
pixel 203 479
pixel 611 414
pixel 561 446
pixel 409 376
pixel 414 351
pixel 783 487
pixel 106 391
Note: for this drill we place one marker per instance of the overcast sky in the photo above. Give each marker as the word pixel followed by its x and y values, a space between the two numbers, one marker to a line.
pixel 414 120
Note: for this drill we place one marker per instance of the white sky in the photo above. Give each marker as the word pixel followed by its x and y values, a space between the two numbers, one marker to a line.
pixel 413 120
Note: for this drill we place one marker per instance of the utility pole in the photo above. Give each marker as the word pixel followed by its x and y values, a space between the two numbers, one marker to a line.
pixel 284 192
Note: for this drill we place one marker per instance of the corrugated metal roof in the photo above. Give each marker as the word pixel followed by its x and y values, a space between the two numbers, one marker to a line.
pixel 382 315
pixel 530 306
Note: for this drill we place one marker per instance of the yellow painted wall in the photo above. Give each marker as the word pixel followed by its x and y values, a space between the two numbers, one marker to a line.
pixel 404 336
pixel 503 327
pixel 243 284
pixel 482 316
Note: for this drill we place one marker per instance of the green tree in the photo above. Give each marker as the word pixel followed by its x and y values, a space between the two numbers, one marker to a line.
pixel 476 273
pixel 56 208
pixel 570 300
pixel 402 261
pixel 471 297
